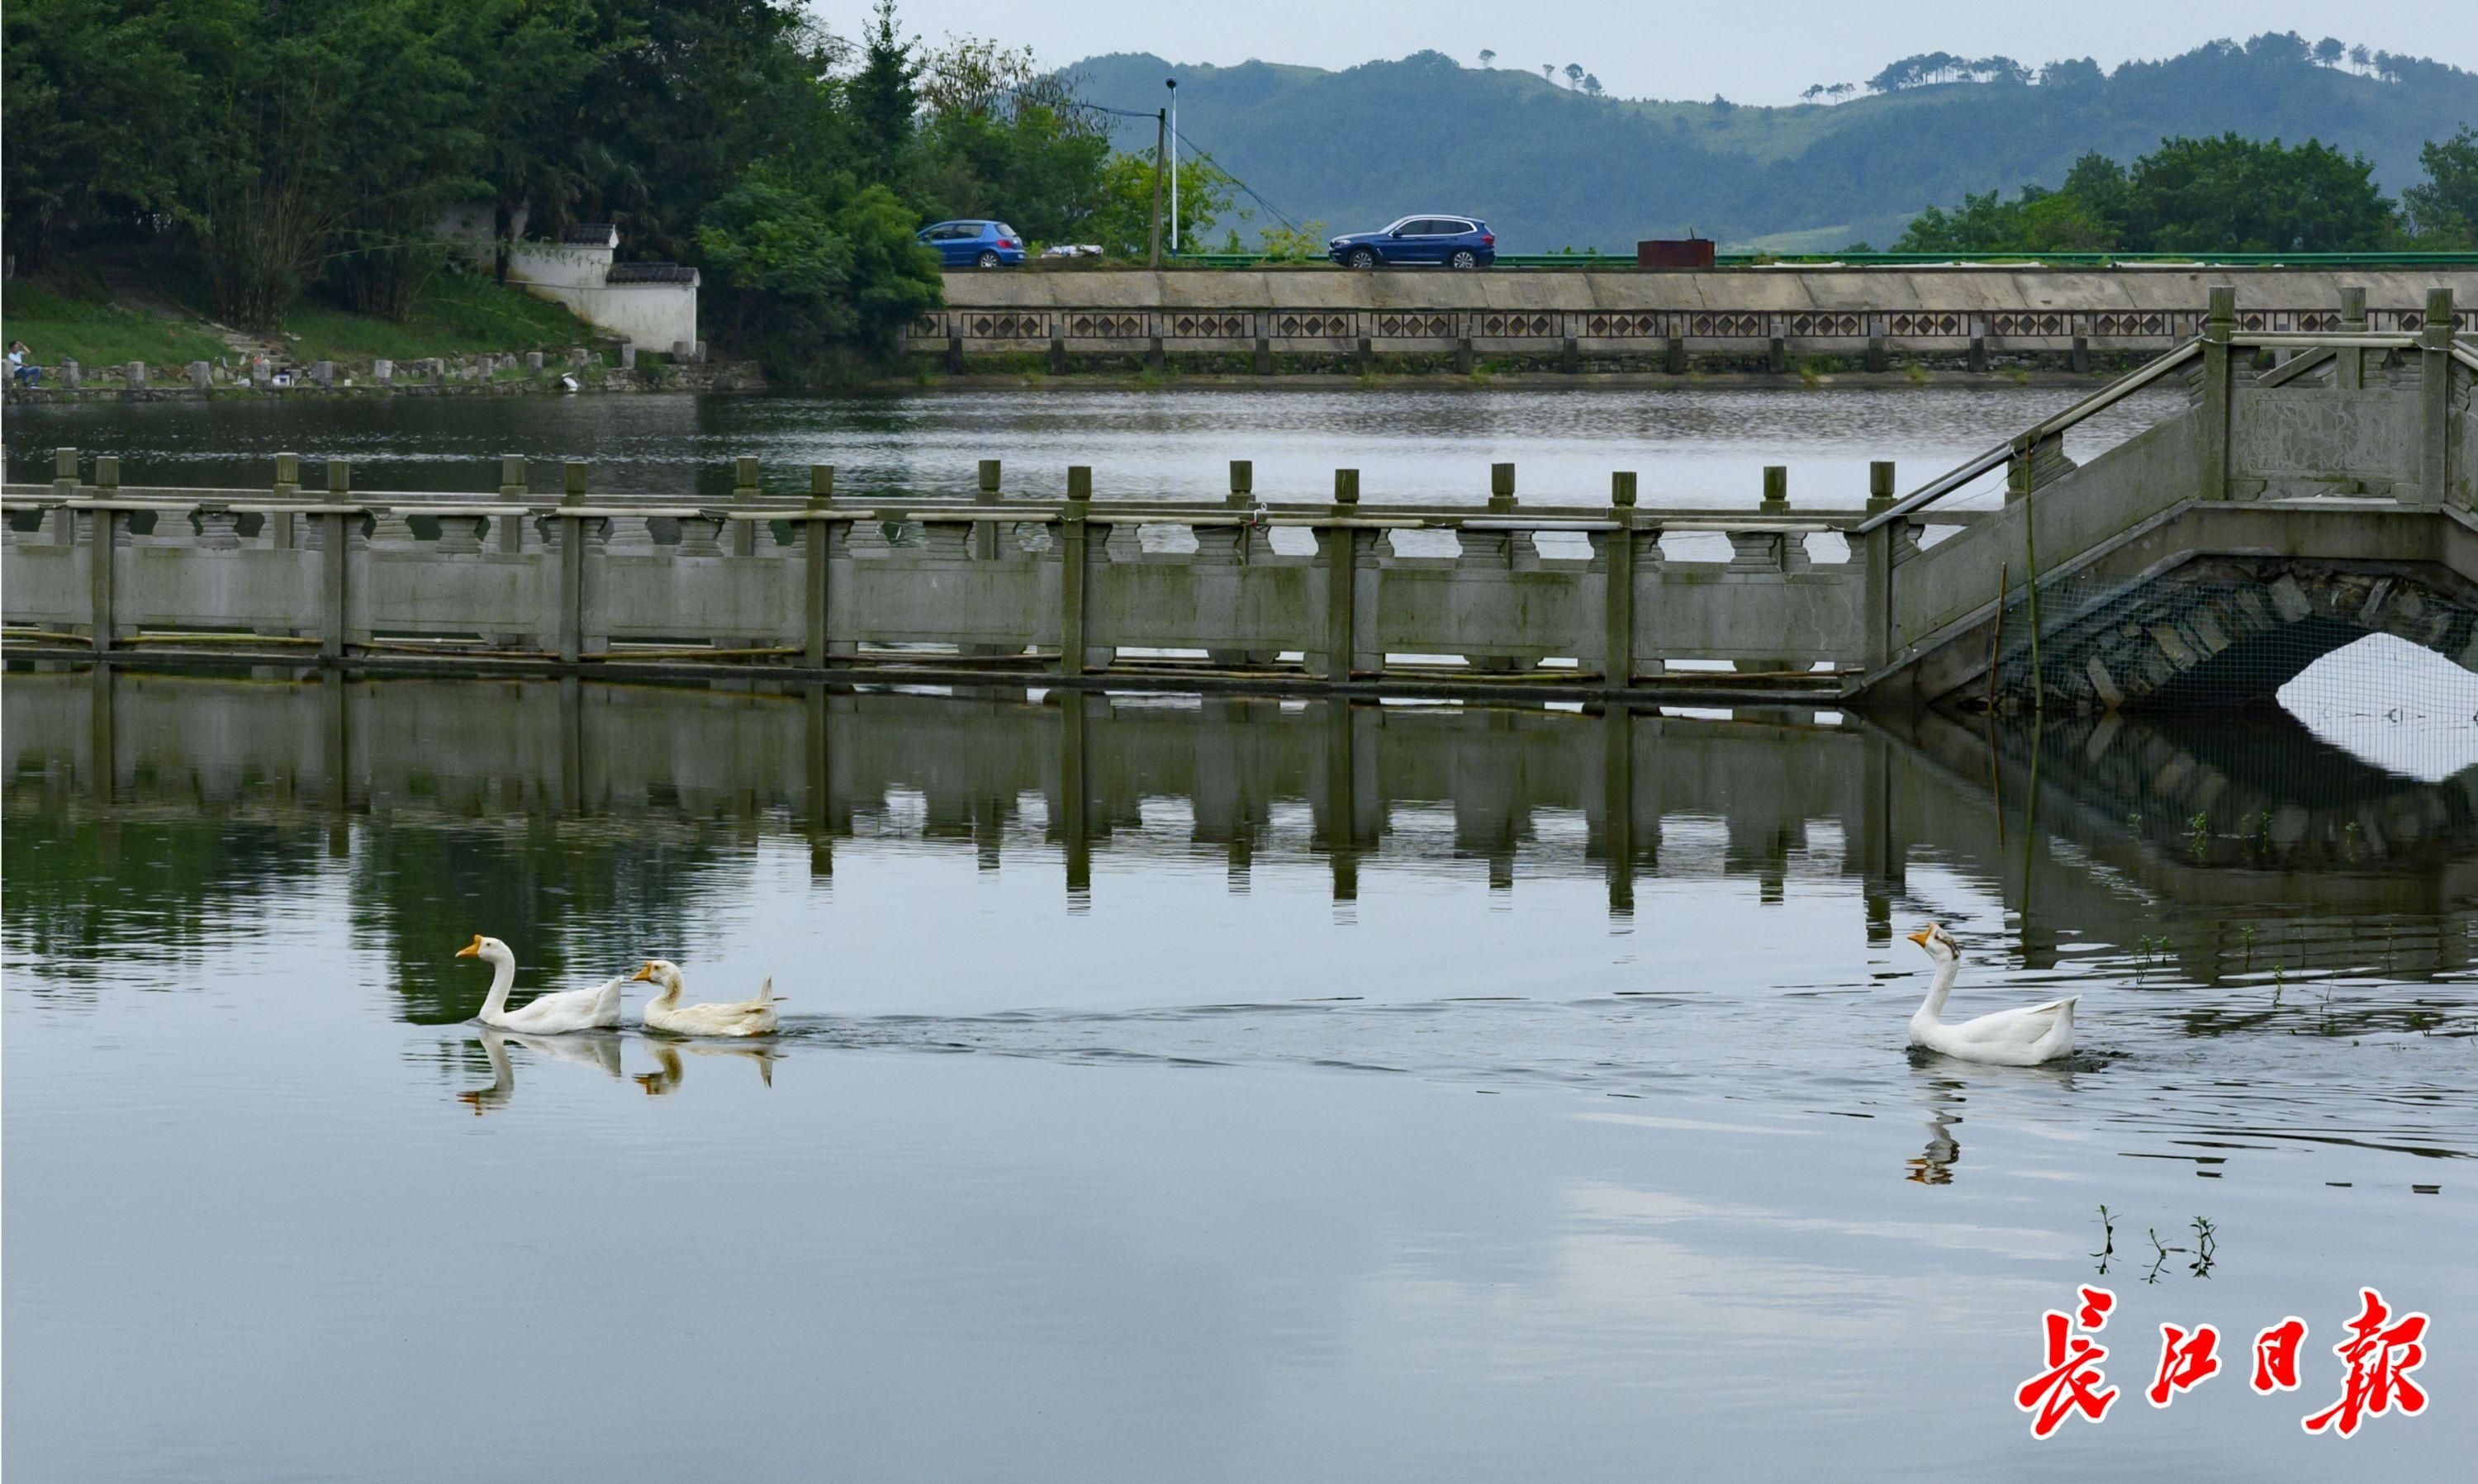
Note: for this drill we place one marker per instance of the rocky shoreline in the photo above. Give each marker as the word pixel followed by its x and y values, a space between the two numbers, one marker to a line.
pixel 489 374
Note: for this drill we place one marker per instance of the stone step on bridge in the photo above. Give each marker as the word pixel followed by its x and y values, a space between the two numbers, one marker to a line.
pixel 2315 488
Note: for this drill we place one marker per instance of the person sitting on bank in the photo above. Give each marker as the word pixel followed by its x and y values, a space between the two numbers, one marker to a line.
pixel 21 370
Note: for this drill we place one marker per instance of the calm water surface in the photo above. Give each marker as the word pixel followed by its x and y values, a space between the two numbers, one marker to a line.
pixel 1691 445
pixel 1180 1089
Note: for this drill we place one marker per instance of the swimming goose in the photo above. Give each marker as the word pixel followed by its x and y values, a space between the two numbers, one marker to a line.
pixel 545 1015
pixel 665 1012
pixel 2008 1037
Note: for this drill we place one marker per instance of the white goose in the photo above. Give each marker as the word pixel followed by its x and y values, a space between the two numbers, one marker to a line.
pixel 2008 1037
pixel 665 1012
pixel 545 1015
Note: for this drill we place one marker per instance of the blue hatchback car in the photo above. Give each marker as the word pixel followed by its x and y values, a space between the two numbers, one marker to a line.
pixel 1446 241
pixel 974 244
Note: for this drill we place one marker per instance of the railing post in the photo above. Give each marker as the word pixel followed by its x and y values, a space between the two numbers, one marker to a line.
pixel 2349 364
pixel 333 613
pixel 1243 496
pixel 1073 571
pixel 572 564
pixel 742 534
pixel 2220 326
pixel 1877 555
pixel 64 489
pixel 2435 398
pixel 1500 487
pixel 1617 645
pixel 1342 555
pixel 985 533
pixel 104 524
pixel 817 545
pixel 512 491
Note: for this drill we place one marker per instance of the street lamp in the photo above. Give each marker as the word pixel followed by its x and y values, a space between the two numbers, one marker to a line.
pixel 1172 84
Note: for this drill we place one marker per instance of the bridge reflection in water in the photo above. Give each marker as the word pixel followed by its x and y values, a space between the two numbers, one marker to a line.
pixel 2092 829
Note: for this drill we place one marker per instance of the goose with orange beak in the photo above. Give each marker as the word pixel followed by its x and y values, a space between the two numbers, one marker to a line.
pixel 740 1017
pixel 545 1014
pixel 2008 1037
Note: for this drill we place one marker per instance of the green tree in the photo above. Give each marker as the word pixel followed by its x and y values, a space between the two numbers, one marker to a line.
pixel 532 60
pixel 2235 194
pixel 813 281
pixel 2444 209
pixel 1000 138
pixel 883 97
pixel 99 107
pixel 1123 223
pixel 313 117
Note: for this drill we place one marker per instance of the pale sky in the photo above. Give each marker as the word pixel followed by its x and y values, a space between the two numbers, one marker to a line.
pixel 1761 52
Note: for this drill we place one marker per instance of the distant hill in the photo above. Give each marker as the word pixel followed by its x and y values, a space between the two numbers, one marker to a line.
pixel 1552 168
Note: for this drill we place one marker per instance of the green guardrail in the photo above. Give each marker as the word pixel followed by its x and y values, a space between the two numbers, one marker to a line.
pixel 1610 262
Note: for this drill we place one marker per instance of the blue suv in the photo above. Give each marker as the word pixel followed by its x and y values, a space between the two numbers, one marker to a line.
pixel 1448 242
pixel 973 244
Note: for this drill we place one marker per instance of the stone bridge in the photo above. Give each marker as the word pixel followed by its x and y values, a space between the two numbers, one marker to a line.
pixel 1650 321
pixel 2314 486
pixel 2284 514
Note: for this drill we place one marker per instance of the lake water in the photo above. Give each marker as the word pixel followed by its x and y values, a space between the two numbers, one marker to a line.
pixel 1201 1089
pixel 1691 445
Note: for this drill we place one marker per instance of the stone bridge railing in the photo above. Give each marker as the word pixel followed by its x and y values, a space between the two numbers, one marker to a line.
pixel 1334 592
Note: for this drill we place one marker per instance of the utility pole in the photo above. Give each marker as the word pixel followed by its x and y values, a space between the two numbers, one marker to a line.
pixel 1161 138
pixel 1172 84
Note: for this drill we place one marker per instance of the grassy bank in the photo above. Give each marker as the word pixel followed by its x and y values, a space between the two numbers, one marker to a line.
pixel 58 322
pixel 72 315
pixel 456 315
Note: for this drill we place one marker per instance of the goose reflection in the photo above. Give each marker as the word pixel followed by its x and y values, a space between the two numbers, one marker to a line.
pixel 1933 1165
pixel 594 1048
pixel 1943 1091
pixel 666 1077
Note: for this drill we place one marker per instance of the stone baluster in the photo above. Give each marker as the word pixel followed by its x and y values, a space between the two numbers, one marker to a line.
pixel 460 536
pixel 701 534
pixel 218 527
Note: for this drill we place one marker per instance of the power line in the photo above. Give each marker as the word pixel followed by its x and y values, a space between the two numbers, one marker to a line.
pixel 1202 153
pixel 1206 155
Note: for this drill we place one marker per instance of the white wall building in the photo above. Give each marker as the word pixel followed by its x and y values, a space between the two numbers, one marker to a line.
pixel 654 303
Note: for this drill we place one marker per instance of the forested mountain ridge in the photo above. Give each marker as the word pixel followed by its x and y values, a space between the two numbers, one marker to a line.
pixel 1551 165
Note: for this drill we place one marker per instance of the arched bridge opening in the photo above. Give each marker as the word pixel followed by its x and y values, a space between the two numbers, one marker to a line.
pixel 2220 633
